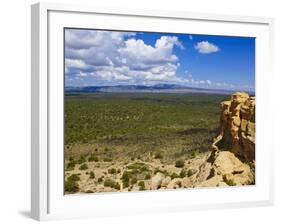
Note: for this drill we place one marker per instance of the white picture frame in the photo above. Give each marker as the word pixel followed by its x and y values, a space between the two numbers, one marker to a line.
pixel 48 201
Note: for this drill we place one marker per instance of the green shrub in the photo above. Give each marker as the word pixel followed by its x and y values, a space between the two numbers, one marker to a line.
pixel 126 179
pixel 93 158
pixel 193 154
pixel 147 176
pixel 112 184
pixel 100 179
pixel 125 183
pixel 183 173
pixel 158 155
pixel 112 171
pixel 230 182
pixel 71 184
pixel 174 175
pixel 141 185
pixel 138 167
pixel 81 160
pixel 107 160
pixel 92 175
pixel 134 180
pixel 71 165
pixel 84 166
pixel 74 177
pixel 179 164
pixel 189 173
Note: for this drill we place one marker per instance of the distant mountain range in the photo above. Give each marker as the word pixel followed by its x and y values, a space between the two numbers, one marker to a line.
pixel 159 88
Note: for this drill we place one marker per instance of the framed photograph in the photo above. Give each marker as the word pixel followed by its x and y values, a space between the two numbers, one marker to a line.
pixel 148 111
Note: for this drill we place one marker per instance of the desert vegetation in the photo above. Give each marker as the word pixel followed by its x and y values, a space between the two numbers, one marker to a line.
pixel 137 141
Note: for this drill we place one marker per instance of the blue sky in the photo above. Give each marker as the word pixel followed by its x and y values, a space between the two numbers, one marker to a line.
pixel 95 57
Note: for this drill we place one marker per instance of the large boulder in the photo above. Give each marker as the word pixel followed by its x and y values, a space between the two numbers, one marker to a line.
pixel 175 183
pixel 215 181
pixel 239 97
pixel 224 169
pixel 187 182
pixel 156 181
pixel 166 181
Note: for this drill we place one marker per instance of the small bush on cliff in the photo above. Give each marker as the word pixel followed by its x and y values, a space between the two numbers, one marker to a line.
pixel 112 184
pixel 71 165
pixel 71 184
pixel 81 160
pixel 147 176
pixel 229 182
pixel 112 171
pixel 100 179
pixel 84 166
pixel 179 164
pixel 189 173
pixel 134 180
pixel 93 158
pixel 141 185
pixel 74 177
pixel 107 160
pixel 126 179
pixel 174 175
pixel 92 175
pixel 183 173
pixel 138 166
pixel 158 155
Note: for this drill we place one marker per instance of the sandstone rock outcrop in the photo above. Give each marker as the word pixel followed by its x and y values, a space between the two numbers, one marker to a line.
pixel 224 169
pixel 166 181
pixel 234 144
pixel 237 126
pixel 156 181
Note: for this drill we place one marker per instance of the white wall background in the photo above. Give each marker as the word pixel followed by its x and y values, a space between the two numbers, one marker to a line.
pixel 15 110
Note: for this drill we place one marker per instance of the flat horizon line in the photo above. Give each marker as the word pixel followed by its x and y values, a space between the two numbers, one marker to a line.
pixel 163 86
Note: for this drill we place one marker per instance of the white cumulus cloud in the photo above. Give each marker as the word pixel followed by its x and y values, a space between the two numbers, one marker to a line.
pixel 205 47
pixel 119 57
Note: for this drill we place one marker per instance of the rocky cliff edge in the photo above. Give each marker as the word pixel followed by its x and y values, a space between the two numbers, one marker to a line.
pixel 232 160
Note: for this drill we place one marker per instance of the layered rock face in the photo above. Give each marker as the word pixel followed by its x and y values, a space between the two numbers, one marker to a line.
pixel 235 142
pixel 224 169
pixel 237 126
